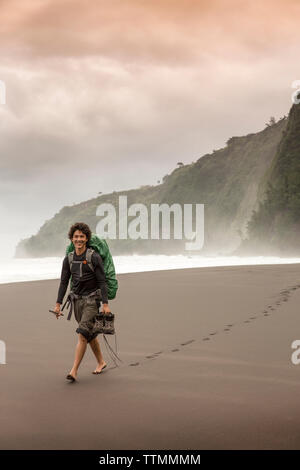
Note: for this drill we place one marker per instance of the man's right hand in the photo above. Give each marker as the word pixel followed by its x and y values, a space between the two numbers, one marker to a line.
pixel 57 310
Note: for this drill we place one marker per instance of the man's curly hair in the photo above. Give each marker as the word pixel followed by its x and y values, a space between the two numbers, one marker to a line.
pixel 84 228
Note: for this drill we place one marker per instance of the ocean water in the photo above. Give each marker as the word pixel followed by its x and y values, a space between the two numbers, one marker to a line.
pixel 31 269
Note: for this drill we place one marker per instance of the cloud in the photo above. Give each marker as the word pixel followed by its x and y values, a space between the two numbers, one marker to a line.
pixel 168 31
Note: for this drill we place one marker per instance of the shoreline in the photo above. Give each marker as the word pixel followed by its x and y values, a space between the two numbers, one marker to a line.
pixel 151 268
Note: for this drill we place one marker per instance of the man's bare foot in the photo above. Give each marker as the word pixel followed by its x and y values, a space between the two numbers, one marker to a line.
pixel 100 367
pixel 72 375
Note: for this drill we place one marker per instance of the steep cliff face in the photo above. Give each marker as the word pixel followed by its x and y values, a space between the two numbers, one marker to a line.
pixel 274 227
pixel 229 182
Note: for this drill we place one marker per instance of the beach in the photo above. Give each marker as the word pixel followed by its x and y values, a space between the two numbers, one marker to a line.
pixel 206 364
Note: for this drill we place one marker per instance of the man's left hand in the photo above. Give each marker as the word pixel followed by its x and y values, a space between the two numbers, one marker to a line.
pixel 105 308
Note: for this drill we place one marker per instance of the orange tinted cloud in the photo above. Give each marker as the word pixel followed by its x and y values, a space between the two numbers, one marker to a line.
pixel 149 30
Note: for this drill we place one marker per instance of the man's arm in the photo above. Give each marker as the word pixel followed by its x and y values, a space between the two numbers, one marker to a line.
pixel 64 281
pixel 100 276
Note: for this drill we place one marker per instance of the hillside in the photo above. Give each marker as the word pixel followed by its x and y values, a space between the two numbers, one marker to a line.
pixel 228 181
pixel 274 227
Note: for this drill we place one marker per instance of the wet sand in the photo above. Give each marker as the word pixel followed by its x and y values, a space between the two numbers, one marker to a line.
pixel 206 364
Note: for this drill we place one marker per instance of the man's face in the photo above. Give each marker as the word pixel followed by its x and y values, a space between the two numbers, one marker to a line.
pixel 79 239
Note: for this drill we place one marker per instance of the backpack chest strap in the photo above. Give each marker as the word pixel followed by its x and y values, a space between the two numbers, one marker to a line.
pixel 88 259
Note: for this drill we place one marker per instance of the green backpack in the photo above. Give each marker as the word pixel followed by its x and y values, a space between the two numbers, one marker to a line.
pixel 100 246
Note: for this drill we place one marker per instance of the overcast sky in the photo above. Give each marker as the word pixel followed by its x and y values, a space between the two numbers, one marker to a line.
pixel 108 95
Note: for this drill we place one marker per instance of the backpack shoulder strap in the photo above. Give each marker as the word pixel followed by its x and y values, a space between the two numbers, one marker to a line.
pixel 70 258
pixel 89 253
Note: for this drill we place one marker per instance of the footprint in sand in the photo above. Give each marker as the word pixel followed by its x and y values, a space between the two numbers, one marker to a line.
pixel 154 355
pixel 284 298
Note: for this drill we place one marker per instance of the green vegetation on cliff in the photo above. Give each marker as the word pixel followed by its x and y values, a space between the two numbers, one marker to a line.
pixel 274 227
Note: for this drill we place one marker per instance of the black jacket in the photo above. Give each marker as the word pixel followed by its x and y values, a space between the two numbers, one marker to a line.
pixel 90 280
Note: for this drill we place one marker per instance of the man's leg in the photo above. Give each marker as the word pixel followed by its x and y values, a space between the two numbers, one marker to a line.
pixel 95 345
pixel 79 353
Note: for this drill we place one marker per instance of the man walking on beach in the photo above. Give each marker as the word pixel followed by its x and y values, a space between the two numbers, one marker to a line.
pixel 88 289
